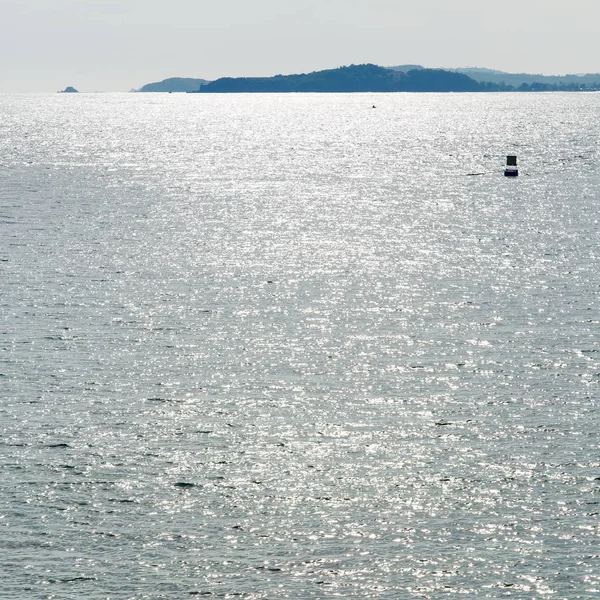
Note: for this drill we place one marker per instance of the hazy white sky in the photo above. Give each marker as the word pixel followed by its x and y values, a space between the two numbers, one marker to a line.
pixel 111 45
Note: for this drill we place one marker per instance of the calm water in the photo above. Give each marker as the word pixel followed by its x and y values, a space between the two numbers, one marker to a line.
pixel 286 346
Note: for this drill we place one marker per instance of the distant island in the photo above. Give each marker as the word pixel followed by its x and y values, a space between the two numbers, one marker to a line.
pixel 374 78
pixel 526 82
pixel 69 90
pixel 354 78
pixel 174 84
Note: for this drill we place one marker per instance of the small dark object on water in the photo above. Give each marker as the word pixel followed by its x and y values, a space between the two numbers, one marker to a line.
pixel 511 166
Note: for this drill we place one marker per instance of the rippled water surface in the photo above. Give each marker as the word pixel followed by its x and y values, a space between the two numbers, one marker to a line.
pixel 289 346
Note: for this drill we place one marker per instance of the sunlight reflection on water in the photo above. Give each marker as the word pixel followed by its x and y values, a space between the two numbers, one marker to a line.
pixel 283 346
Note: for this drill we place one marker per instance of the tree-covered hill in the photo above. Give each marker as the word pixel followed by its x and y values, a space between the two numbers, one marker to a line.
pixel 373 78
pixel 353 78
pixel 526 80
pixel 174 84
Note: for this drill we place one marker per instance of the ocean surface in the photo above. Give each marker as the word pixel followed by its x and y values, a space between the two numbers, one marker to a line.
pixel 294 346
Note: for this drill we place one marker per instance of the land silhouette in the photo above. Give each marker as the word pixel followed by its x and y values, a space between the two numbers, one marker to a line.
pixel 374 78
pixel 174 84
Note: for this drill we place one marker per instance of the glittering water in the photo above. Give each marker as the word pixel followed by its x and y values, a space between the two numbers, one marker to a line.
pixel 285 346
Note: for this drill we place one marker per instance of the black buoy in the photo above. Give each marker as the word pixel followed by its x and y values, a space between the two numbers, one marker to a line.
pixel 511 166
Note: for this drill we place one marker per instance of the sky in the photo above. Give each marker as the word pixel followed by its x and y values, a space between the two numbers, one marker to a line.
pixel 110 45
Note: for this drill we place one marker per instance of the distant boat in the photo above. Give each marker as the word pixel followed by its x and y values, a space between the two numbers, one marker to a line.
pixel 511 166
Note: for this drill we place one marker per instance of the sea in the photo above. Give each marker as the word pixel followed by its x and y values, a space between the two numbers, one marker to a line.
pixel 302 346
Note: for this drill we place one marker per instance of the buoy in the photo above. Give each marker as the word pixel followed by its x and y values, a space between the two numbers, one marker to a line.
pixel 511 166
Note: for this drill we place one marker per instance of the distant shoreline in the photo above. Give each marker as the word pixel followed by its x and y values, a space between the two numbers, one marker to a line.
pixel 373 78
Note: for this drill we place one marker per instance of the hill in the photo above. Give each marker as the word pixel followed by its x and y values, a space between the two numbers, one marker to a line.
pixel 174 84
pixel 521 80
pixel 494 80
pixel 373 78
pixel 353 78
